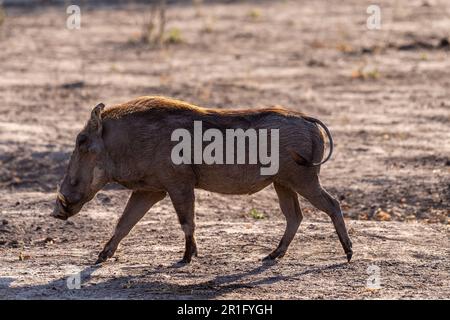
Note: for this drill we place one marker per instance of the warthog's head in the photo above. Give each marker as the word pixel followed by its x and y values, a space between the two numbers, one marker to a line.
pixel 86 173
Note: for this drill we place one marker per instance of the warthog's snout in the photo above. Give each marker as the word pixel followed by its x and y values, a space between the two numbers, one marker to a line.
pixel 61 210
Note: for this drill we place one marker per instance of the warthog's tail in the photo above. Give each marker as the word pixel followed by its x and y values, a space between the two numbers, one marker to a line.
pixel 304 162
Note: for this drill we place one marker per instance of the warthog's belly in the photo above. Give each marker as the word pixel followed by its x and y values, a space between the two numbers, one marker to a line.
pixel 231 179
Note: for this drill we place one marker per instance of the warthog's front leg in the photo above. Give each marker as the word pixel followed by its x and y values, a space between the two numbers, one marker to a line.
pixel 183 200
pixel 138 205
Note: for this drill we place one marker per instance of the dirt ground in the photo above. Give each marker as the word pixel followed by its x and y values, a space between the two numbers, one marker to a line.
pixel 383 93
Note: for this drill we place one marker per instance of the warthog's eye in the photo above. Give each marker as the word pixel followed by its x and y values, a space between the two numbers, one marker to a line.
pixel 73 182
pixel 81 139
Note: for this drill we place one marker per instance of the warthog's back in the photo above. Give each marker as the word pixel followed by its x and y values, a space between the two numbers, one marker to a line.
pixel 155 105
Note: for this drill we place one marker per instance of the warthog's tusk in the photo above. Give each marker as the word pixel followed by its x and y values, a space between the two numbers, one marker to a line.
pixel 62 199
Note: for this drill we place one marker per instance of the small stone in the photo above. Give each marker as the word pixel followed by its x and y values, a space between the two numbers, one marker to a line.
pixel 363 216
pixel 49 240
pixel 444 43
pixel 23 257
pixel 383 216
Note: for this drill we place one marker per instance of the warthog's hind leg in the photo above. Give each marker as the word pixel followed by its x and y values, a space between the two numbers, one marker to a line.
pixel 138 205
pixel 323 201
pixel 291 209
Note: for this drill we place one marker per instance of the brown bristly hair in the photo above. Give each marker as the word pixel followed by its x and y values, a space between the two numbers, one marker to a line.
pixel 163 104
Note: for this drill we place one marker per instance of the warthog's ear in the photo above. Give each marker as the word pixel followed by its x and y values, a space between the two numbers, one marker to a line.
pixel 96 118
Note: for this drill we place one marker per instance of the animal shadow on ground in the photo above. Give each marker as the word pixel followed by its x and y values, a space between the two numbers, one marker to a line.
pixel 140 287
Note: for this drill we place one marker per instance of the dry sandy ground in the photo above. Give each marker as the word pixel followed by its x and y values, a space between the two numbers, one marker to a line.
pixel 384 94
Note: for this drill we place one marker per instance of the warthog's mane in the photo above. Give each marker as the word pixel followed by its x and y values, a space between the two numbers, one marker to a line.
pixel 152 104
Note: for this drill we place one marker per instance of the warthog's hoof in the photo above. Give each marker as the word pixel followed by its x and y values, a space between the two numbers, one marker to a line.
pixel 181 263
pixel 349 256
pixel 99 260
pixel 268 258
pixel 102 257
pixel 273 256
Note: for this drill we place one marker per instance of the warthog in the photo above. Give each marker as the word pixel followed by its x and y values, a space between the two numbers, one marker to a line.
pixel 131 144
